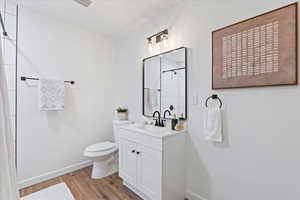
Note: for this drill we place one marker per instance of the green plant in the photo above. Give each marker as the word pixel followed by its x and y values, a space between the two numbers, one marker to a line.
pixel 122 110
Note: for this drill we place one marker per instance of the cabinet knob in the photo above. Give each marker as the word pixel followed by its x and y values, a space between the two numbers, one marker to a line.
pixel 132 151
pixel 137 152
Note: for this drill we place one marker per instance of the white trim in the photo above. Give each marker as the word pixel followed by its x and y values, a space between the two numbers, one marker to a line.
pixel 53 174
pixel 193 196
pixel 136 191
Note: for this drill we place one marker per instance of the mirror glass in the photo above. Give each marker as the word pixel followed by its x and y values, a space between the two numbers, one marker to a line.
pixel 164 81
pixel 152 82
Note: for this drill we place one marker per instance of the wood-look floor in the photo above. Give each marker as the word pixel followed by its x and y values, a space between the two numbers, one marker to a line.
pixel 85 188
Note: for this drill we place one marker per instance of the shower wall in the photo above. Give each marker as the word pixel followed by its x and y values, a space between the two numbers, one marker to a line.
pixel 9 14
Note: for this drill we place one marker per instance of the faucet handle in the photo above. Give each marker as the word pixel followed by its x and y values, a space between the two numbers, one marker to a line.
pixel 163 123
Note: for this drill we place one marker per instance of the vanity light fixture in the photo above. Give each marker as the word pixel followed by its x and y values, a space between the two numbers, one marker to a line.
pixel 150 45
pixel 157 38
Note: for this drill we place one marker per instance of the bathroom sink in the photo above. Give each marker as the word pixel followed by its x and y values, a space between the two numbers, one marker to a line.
pixel 152 130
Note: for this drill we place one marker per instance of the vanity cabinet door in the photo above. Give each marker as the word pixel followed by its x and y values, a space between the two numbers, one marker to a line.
pixel 149 169
pixel 128 161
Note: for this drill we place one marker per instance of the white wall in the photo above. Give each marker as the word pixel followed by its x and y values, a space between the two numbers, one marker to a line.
pixel 48 142
pixel 259 158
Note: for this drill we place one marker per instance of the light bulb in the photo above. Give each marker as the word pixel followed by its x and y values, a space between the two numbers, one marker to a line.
pixel 150 45
pixel 165 40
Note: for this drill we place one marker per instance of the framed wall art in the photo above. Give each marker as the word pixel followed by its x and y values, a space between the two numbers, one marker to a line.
pixel 260 51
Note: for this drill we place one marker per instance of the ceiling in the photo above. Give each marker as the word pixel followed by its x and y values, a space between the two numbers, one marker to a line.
pixel 108 17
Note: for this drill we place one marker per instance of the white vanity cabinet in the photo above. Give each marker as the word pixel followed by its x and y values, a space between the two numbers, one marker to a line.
pixel 152 165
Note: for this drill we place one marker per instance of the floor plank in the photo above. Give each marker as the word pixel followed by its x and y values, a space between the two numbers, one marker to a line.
pixel 85 188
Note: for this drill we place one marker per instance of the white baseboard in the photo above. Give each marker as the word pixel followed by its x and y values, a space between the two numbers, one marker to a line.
pixel 53 174
pixel 140 194
pixel 193 196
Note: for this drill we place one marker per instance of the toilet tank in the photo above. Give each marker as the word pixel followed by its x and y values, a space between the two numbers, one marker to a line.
pixel 116 128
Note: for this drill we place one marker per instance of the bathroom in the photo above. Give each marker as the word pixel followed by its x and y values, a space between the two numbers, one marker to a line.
pixel 102 48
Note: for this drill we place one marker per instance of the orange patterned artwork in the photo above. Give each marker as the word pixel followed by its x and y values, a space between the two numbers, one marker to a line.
pixel 261 51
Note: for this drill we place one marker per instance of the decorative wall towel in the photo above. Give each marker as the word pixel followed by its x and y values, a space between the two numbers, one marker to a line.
pixel 51 94
pixel 213 124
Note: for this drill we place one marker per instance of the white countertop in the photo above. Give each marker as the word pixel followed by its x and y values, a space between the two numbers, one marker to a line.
pixel 154 131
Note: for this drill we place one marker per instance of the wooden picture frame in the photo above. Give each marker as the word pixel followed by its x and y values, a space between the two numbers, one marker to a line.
pixel 260 51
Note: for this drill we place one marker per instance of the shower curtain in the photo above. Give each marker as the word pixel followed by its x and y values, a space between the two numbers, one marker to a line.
pixel 8 182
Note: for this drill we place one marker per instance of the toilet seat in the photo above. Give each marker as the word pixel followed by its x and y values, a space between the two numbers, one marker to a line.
pixel 102 146
pixel 100 149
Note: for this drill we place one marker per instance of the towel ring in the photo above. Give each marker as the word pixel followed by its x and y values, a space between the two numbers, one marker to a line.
pixel 214 96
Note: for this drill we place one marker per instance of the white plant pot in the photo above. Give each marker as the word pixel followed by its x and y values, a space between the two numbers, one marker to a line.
pixel 122 115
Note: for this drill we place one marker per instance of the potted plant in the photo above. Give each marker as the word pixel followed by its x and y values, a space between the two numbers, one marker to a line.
pixel 122 113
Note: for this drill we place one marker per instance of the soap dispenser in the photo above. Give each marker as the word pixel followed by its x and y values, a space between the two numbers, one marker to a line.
pixel 173 122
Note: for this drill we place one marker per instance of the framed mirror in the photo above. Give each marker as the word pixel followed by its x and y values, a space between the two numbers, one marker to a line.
pixel 165 83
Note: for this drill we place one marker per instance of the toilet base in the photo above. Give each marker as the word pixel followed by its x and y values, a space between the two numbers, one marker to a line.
pixel 105 166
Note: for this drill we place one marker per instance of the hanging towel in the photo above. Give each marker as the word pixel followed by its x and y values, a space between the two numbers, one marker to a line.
pixel 213 124
pixel 153 97
pixel 51 94
pixel 147 100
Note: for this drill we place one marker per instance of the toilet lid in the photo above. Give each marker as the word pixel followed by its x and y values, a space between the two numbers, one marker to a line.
pixel 102 146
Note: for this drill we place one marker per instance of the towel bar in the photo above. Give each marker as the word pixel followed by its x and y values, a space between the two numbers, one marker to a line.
pixel 23 78
pixel 214 96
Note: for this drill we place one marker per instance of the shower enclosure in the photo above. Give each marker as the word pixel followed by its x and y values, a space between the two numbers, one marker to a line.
pixel 9 12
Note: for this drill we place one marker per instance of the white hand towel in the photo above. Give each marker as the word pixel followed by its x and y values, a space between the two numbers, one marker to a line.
pixel 153 97
pixel 51 94
pixel 213 124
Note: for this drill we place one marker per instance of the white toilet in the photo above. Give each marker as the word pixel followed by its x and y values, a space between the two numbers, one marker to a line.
pixel 105 154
